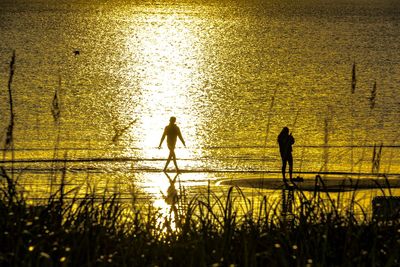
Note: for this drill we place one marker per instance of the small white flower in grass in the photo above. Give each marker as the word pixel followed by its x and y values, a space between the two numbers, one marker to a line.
pixel 44 255
pixel 309 261
pixel 263 235
pixel 67 249
pixel 294 247
pixel 29 223
pixel 277 245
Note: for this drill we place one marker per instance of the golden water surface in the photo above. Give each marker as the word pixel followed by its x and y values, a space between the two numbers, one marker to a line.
pixel 233 73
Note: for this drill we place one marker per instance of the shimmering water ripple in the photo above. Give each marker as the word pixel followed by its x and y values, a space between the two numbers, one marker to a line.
pixel 234 74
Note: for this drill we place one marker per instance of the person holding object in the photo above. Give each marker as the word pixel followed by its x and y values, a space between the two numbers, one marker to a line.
pixel 286 140
pixel 172 132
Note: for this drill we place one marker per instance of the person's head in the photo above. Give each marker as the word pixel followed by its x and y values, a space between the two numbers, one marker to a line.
pixel 285 131
pixel 172 120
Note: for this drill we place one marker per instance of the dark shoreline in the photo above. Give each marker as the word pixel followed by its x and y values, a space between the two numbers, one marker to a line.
pixel 333 184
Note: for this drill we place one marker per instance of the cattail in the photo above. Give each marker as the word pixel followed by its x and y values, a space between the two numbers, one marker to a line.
pixel 56 112
pixel 10 128
pixel 326 140
pixel 373 96
pixel 353 79
pixel 55 107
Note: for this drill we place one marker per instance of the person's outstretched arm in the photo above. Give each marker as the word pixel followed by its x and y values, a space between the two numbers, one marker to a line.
pixel 180 137
pixel 162 138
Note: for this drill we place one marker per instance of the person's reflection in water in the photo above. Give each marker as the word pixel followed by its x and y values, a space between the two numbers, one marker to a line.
pixel 286 141
pixel 172 198
pixel 172 132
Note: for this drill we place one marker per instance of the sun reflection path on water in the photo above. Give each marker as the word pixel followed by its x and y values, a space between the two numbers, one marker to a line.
pixel 166 72
pixel 164 66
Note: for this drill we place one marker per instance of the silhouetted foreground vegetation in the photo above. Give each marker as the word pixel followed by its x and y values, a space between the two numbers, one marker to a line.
pixel 205 231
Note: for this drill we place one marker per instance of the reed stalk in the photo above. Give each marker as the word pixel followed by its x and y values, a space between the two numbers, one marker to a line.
pixel 9 142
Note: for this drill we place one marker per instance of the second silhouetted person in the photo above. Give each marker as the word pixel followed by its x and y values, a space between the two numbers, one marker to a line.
pixel 286 141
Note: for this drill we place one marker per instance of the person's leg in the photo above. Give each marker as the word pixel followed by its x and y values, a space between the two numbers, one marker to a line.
pixel 174 159
pixel 290 160
pixel 283 169
pixel 168 160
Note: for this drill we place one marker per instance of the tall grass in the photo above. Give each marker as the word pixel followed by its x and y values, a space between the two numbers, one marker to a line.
pixel 210 230
pixel 9 141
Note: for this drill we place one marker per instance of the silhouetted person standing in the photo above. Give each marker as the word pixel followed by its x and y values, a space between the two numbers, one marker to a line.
pixel 286 141
pixel 172 132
